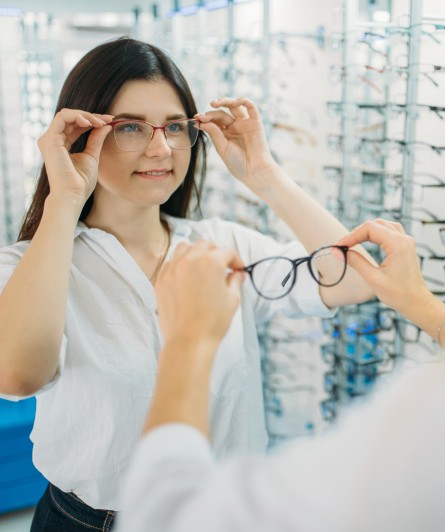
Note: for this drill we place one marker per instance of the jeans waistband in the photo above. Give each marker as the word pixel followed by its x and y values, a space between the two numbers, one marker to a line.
pixel 74 508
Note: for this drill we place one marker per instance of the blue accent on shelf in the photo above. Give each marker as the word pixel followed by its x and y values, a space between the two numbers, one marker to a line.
pixel 21 485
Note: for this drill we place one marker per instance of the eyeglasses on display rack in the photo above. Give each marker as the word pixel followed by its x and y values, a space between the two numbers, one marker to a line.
pixel 274 277
pixel 329 408
pixel 388 319
pixel 381 146
pixel 427 253
pixel 389 109
pixel 136 135
pixel 427 217
pixel 377 42
pixel 390 182
pixel 363 357
pixel 369 74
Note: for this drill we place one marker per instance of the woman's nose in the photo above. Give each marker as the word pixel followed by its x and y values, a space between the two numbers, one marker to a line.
pixel 158 146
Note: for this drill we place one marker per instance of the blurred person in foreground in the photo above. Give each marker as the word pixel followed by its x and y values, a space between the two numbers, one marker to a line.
pixel 380 469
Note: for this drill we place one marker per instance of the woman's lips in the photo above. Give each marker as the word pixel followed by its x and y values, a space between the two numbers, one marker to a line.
pixel 154 174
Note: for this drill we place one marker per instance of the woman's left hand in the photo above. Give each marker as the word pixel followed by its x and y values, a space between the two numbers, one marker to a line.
pixel 239 138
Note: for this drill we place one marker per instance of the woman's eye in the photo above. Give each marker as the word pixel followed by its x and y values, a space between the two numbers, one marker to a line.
pixel 175 127
pixel 129 127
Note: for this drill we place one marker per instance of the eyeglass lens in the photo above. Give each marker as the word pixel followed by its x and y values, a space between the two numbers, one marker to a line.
pixel 328 265
pixel 267 276
pixel 274 277
pixel 136 136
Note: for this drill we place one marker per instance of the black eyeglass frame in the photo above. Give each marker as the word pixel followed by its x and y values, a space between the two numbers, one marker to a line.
pixel 294 263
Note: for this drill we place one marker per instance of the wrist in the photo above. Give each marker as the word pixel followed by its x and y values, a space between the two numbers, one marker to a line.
pixel 68 208
pixel 198 346
pixel 264 179
pixel 427 312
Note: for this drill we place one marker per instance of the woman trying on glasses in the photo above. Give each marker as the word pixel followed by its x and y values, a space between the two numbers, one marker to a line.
pixel 78 323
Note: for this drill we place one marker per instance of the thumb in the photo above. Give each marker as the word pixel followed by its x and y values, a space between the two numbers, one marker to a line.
pixel 235 280
pixel 216 135
pixel 96 140
pixel 363 267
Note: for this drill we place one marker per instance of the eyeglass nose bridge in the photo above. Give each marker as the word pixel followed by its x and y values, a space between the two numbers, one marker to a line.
pixel 152 134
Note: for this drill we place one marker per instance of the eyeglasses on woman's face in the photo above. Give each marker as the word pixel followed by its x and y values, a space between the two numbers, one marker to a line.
pixel 274 277
pixel 136 135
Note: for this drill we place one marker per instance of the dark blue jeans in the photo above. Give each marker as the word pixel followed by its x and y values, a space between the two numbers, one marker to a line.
pixel 58 511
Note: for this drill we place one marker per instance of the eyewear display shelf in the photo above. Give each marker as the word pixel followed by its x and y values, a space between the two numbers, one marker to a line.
pixel 21 485
pixel 384 168
pixel 222 56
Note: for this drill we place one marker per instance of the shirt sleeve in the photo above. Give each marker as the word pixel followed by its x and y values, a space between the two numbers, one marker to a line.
pixel 172 463
pixel 9 258
pixel 381 469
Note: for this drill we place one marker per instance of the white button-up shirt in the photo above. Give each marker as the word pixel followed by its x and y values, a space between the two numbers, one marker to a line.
pixel 89 418
pixel 381 470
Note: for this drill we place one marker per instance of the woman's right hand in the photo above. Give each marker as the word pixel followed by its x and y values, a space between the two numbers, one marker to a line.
pixel 73 175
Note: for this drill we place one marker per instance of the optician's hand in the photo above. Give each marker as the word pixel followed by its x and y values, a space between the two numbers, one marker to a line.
pixel 196 293
pixel 397 281
pixel 239 138
pixel 73 175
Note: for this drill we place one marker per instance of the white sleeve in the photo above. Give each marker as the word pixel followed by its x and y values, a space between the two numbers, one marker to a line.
pixel 382 469
pixel 172 464
pixel 9 258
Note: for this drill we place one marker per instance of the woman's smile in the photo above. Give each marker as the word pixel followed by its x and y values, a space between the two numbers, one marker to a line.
pixel 156 175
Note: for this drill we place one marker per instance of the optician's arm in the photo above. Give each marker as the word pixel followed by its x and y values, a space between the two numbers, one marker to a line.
pixel 241 142
pixel 196 301
pixel 381 470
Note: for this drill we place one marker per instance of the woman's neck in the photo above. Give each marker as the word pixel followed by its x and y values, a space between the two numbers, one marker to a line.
pixel 139 230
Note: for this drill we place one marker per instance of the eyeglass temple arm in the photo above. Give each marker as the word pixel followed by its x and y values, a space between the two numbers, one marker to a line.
pixel 295 264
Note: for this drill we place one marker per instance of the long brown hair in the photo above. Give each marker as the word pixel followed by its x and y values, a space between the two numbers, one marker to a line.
pixel 92 86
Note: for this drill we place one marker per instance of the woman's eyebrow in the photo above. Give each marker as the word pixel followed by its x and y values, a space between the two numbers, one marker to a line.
pixel 130 116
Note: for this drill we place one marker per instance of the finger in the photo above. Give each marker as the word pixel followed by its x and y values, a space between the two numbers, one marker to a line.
pixel 395 226
pixel 200 249
pixel 222 118
pixel 104 117
pixel 363 267
pixel 237 110
pixel 96 141
pixel 232 103
pixel 83 119
pixel 230 258
pixel 180 251
pixel 216 136
pixel 369 231
pixel 236 279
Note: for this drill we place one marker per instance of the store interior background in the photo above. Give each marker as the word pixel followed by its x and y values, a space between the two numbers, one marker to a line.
pixel 292 58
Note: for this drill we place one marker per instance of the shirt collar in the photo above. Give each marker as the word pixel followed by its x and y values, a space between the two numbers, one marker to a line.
pixel 178 227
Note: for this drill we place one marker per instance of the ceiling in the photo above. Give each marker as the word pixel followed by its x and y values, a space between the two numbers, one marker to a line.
pixel 55 7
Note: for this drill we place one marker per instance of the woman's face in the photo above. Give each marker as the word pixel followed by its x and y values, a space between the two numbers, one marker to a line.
pixel 149 176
